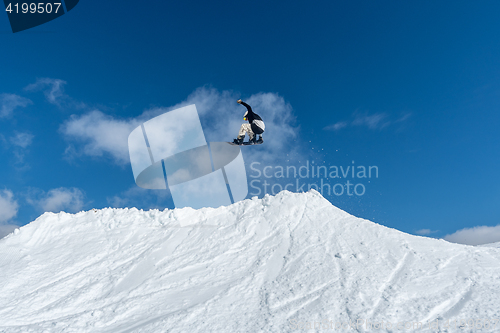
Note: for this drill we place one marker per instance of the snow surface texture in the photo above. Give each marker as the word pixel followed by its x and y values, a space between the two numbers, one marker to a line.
pixel 497 244
pixel 277 264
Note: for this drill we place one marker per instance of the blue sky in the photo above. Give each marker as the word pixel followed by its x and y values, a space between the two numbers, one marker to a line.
pixel 412 88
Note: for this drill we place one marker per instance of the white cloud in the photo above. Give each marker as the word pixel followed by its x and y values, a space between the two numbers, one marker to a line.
pixel 53 89
pixel 337 126
pixel 403 118
pixel 97 134
pixel 377 121
pixel 18 144
pixel 374 121
pixel 6 229
pixel 100 135
pixel 56 200
pixel 8 206
pixel 9 102
pixel 475 236
pixel 22 140
pixel 424 232
pixel 8 210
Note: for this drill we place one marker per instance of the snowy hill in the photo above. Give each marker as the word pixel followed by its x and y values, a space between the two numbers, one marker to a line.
pixel 497 244
pixel 279 264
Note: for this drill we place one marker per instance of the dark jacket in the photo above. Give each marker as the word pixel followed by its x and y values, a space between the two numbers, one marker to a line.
pixel 254 120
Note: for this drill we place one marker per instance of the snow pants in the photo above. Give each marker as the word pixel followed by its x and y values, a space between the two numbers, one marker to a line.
pixel 246 128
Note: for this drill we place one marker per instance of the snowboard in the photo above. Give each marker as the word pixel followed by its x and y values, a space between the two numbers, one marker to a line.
pixel 245 143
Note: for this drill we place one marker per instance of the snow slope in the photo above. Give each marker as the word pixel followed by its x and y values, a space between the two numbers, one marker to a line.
pixel 497 244
pixel 278 264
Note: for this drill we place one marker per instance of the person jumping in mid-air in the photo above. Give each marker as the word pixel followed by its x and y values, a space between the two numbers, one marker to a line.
pixel 254 127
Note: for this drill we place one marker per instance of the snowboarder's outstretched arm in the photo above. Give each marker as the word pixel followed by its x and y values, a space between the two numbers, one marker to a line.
pixel 249 108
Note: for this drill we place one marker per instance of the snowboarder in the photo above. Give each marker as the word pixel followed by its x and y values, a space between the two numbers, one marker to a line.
pixel 254 127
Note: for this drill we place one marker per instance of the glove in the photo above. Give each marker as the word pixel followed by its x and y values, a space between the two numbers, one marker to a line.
pixel 239 101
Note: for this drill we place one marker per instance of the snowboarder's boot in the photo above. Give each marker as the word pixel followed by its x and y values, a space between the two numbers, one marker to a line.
pixel 261 140
pixel 238 141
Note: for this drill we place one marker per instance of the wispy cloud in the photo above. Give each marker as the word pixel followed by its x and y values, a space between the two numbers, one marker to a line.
pixel 56 200
pixel 475 236
pixel 18 144
pixel 8 206
pixel 425 232
pixel 337 126
pixel 22 139
pixel 403 118
pixel 53 89
pixel 376 121
pixel 10 102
